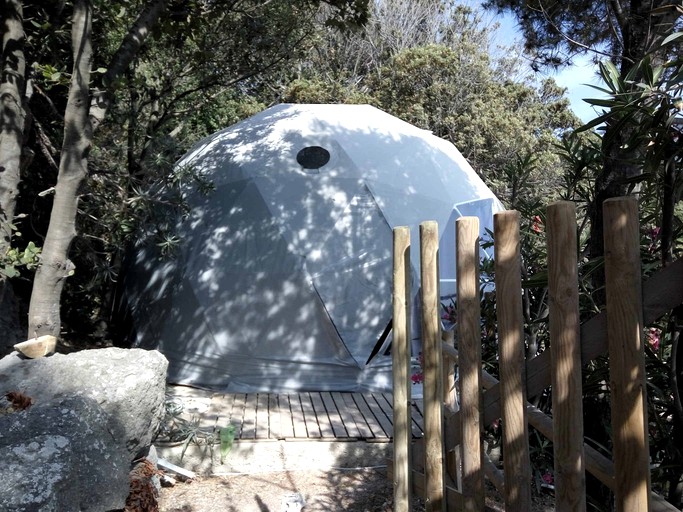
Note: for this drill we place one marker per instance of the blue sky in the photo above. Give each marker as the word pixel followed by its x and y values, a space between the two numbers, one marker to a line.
pixel 574 78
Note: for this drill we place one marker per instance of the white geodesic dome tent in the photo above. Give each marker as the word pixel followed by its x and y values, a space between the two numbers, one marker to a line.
pixel 283 280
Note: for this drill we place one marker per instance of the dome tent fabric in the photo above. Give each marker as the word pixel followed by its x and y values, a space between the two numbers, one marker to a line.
pixel 283 278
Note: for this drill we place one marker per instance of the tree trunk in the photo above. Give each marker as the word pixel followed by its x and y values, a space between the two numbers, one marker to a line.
pixel 642 31
pixel 81 119
pixel 12 115
pixel 12 123
pixel 44 315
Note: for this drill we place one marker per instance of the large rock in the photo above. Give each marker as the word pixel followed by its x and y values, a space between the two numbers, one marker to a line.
pixel 66 454
pixel 129 384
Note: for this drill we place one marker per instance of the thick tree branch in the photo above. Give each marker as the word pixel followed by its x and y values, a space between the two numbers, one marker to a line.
pixel 130 46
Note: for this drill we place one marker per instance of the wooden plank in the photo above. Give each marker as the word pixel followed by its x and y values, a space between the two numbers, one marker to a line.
pixel 365 432
pixel 336 421
pixel 237 414
pixel 286 420
pixel 417 417
pixel 469 336
pixel 220 409
pixel 517 466
pixel 249 424
pixel 382 418
pixel 662 292
pixel 433 383
pixel 262 416
pixel 453 497
pixel 385 402
pixel 368 416
pixel 274 417
pixel 626 354
pixel 565 346
pixel 401 298
pixel 321 413
pixel 346 416
pixel 312 426
pixel 298 420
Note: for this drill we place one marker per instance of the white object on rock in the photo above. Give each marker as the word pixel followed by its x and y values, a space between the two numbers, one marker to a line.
pixel 293 502
pixel 37 347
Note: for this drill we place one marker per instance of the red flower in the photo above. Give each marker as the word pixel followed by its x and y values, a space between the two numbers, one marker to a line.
pixel 536 226
pixel 654 337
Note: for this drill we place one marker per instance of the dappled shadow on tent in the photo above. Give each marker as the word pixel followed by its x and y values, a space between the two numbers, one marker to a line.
pixel 283 281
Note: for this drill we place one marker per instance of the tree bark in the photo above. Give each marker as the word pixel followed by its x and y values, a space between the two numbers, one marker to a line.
pixel 12 123
pixel 81 119
pixel 12 115
pixel 44 315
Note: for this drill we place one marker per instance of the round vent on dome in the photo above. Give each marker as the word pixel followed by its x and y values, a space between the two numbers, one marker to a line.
pixel 313 157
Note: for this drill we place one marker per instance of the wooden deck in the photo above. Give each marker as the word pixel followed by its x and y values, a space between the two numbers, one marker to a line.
pixel 326 416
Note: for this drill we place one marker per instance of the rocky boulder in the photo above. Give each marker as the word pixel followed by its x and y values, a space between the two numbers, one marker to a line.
pixel 128 384
pixel 64 454
pixel 70 426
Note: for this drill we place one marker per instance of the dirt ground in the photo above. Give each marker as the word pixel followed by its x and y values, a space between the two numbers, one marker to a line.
pixel 365 490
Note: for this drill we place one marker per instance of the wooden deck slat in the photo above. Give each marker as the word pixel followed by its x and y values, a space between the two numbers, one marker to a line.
pixel 358 419
pixel 286 420
pixel 249 424
pixel 220 409
pixel 368 415
pixel 323 419
pixel 274 416
pixel 418 419
pixel 297 416
pixel 387 409
pixel 346 416
pixel 382 419
pixel 237 413
pixel 306 415
pixel 312 426
pixel 262 416
pixel 335 417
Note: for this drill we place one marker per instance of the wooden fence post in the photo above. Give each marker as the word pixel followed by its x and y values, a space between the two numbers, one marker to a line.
pixel 400 353
pixel 431 351
pixel 565 347
pixel 626 356
pixel 512 365
pixel 469 340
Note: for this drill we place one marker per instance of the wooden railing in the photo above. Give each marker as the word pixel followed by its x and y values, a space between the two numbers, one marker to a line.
pixel 448 466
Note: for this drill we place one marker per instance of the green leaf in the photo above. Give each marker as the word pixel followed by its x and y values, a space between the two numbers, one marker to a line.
pixel 611 77
pixel 9 271
pixel 187 442
pixel 538 280
pixel 227 436
pixel 601 89
pixel 595 122
pixel 673 37
pixel 600 102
